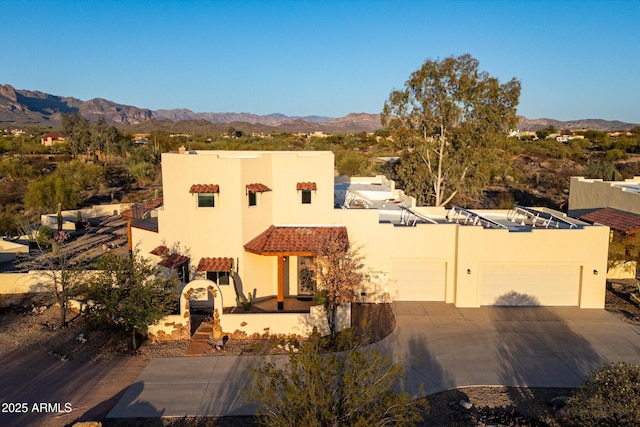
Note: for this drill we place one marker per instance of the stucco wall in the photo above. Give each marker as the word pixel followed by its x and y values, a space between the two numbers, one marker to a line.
pixel 589 194
pixel 270 324
pixel 21 283
pixel 585 248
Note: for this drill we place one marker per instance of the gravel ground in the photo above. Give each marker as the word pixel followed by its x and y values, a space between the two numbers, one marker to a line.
pixel 28 326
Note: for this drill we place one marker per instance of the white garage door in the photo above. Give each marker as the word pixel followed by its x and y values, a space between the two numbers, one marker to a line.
pixel 417 280
pixel 530 285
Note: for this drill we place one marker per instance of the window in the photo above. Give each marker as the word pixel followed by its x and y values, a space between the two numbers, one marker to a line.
pixel 306 197
pixel 253 198
pixel 219 277
pixel 183 272
pixel 206 200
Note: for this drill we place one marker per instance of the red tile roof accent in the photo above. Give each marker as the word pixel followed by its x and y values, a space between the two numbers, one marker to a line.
pixel 626 222
pixel 174 261
pixel 215 264
pixel 301 240
pixel 306 186
pixel 160 250
pixel 205 188
pixel 257 188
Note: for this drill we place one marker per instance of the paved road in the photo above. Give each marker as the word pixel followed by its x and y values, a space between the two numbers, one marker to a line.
pixel 440 346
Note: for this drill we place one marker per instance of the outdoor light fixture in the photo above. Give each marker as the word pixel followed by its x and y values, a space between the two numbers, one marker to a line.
pixel 468 271
pixel 595 272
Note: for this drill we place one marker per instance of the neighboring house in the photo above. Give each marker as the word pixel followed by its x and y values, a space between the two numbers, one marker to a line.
pixel 588 195
pixel 615 204
pixel 51 138
pixel 239 223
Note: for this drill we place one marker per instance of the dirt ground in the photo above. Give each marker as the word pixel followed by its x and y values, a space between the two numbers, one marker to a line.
pixel 41 363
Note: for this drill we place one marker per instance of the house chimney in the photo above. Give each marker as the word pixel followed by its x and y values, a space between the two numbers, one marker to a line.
pixel 182 150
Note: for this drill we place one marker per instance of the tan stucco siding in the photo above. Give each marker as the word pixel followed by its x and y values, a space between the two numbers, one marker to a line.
pixel 585 247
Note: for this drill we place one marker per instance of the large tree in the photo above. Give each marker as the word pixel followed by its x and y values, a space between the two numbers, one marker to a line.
pixel 77 131
pixel 447 113
pixel 129 294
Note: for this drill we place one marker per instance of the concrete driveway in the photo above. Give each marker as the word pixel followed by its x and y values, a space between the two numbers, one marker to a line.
pixel 440 346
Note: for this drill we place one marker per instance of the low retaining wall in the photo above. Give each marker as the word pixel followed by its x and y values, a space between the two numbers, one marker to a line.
pixel 263 325
pixel 22 283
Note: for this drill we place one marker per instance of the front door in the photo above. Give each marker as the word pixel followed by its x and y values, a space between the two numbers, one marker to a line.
pixel 306 280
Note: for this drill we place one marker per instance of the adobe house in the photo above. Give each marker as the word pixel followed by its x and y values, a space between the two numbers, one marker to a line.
pixel 241 224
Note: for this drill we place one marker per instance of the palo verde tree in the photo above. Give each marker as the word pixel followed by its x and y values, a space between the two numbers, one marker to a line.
pixel 129 294
pixel 337 271
pixel 311 387
pixel 447 113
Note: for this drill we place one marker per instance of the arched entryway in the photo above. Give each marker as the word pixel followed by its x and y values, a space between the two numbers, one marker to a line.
pixel 200 302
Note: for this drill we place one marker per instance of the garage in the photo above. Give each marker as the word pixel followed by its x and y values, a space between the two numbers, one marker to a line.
pixel 549 285
pixel 418 280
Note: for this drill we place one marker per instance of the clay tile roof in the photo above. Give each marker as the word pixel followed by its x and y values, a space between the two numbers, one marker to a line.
pixel 174 261
pixel 215 264
pixel 626 222
pixel 306 186
pixel 204 188
pixel 160 250
pixel 257 188
pixel 303 240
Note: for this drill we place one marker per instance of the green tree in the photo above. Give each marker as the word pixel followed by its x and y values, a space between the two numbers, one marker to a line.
pixel 77 131
pixel 82 174
pixel 447 112
pixel 129 294
pixel 350 388
pixel 44 193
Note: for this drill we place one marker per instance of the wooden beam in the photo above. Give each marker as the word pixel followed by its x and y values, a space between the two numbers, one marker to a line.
pixel 280 282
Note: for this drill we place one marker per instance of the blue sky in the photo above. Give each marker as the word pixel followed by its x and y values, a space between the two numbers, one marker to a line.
pixel 575 59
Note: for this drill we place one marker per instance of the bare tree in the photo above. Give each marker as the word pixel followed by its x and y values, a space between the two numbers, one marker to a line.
pixel 62 273
pixel 337 269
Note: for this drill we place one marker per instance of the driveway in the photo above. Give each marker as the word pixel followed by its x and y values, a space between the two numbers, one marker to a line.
pixel 440 346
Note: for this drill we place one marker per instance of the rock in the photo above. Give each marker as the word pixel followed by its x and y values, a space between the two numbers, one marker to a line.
pixel 465 404
pixel 559 401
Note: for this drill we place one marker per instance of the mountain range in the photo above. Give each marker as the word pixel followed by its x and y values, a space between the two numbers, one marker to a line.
pixel 26 107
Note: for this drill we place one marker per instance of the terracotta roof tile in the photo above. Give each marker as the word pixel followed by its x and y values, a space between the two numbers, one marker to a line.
pixel 306 186
pixel 626 222
pixel 257 188
pixel 160 250
pixel 215 264
pixel 174 261
pixel 293 239
pixel 204 188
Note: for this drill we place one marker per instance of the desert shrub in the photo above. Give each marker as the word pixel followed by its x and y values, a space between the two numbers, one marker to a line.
pixel 602 169
pixel 609 397
pixel 313 387
pixel 616 154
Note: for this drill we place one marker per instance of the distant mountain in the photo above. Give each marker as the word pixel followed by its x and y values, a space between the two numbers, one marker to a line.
pixel 25 107
pixel 584 124
pixel 32 107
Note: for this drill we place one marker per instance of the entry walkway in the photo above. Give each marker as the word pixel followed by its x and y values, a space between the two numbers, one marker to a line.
pixel 440 346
